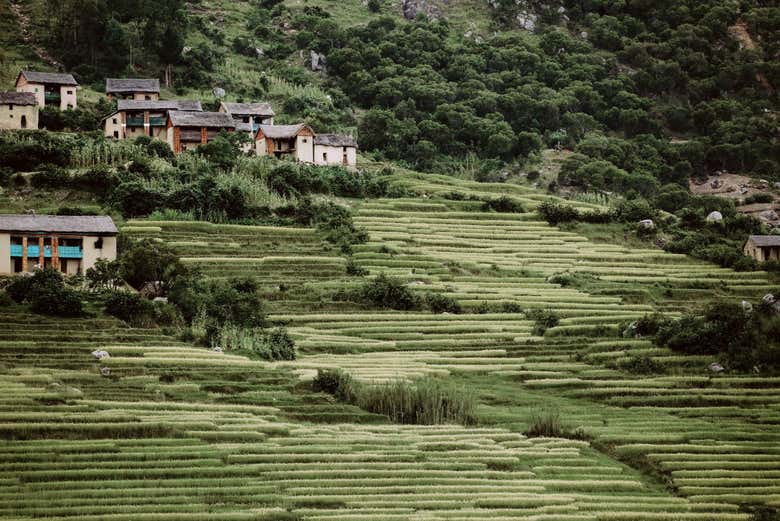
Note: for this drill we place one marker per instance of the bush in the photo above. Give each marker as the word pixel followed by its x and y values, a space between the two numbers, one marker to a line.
pixel 131 308
pixel 544 319
pixel 545 424
pixel 388 293
pixel 277 345
pixel 51 177
pixel 502 204
pixel 759 198
pixel 150 261
pixel 555 213
pixel 47 294
pixel 641 365
pixel 335 382
pixel 439 303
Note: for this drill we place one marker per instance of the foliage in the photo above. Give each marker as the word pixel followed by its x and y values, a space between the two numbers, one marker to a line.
pixel 440 303
pixel 149 261
pixel 131 308
pixel 424 401
pixel 105 275
pixel 545 424
pixel 502 204
pixel 747 340
pixel 384 292
pixel 544 319
pixel 275 344
pixel 47 294
pixel 641 365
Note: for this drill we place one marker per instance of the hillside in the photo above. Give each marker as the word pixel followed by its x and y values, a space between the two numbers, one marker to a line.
pixel 529 299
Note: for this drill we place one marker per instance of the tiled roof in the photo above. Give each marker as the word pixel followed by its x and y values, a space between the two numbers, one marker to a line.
pixel 281 131
pixel 335 140
pixel 132 85
pixel 57 78
pixel 181 118
pixel 17 98
pixel 248 109
pixel 764 241
pixel 184 104
pixel 97 224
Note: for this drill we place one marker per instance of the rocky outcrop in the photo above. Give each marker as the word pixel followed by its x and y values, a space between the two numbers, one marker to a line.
pixel 317 61
pixel 412 8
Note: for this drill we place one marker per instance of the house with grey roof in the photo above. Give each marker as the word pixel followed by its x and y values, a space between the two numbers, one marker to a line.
pixel 70 244
pixel 252 114
pixel 187 129
pixel 286 141
pixel 135 118
pixel 763 247
pixel 18 110
pixel 133 88
pixel 335 149
pixel 49 88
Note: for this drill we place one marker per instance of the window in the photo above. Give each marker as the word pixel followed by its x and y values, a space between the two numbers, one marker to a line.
pixel 114 121
pixel 116 134
pixel 36 89
pixel 305 140
pixel 24 121
pixel 10 107
pixel 147 98
pixel 11 116
pixel 70 106
pixel 70 92
pixel 325 156
pixel 246 120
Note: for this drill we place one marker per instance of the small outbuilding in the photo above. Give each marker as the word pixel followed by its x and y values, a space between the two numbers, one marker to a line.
pixel 335 149
pixel 135 118
pixel 763 247
pixel 187 130
pixel 142 89
pixel 293 141
pixel 251 114
pixel 18 110
pixel 49 88
pixel 70 244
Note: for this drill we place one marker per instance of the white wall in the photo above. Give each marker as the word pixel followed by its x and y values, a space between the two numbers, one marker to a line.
pixel 335 155
pixel 67 99
pixel 5 253
pixel 304 149
pixel 92 254
pixel 36 89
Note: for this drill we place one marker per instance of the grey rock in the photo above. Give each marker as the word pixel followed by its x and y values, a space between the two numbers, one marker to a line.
pixel 162 300
pixel 715 217
pixel 259 52
pixel 105 371
pixel 717 183
pixel 747 307
pixel 218 92
pixel 715 367
pixel 318 61
pixel 100 354
pixel 411 8
pixel 769 299
pixel 217 349
pixel 769 215
pixel 646 224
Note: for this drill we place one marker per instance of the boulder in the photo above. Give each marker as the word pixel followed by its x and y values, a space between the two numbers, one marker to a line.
pixel 526 20
pixel 411 8
pixel 317 61
pixel 105 371
pixel 747 307
pixel 717 183
pixel 769 299
pixel 715 217
pixel 259 52
pixel 646 224
pixel 768 215
pixel 218 92
pixel 100 354
pixel 630 331
pixel 715 367
pixel 161 300
pixel 217 349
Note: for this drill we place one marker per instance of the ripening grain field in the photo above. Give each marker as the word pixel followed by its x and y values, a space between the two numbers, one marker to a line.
pixel 176 431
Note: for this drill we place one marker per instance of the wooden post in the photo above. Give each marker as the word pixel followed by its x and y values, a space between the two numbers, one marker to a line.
pixel 203 135
pixel 24 253
pixel 147 128
pixel 55 252
pixel 41 253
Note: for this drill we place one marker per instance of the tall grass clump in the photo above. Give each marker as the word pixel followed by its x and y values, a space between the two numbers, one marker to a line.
pixel 424 401
pixel 274 344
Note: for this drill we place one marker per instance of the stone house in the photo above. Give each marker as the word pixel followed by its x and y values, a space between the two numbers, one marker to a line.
pixel 18 110
pixel 141 89
pixel 49 88
pixel 187 130
pixel 291 141
pixel 70 244
pixel 335 149
pixel 135 118
pixel 763 247
pixel 252 114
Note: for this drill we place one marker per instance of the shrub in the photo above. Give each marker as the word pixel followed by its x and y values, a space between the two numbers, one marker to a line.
pixel 543 319
pixel 150 261
pixel 47 294
pixel 759 198
pixel 277 345
pixel 439 303
pixel 502 204
pixel 51 177
pixel 388 293
pixel 99 179
pixel 131 308
pixel 335 382
pixel 641 365
pixel 354 270
pixel 555 213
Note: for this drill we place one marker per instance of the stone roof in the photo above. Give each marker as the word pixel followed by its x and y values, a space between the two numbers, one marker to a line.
pixel 17 98
pixel 764 241
pixel 281 131
pixel 335 140
pixel 248 109
pixel 243 127
pixel 184 104
pixel 132 85
pixel 83 224
pixel 57 78
pixel 180 118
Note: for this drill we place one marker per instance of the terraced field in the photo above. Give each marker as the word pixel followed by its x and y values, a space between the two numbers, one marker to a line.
pixel 174 431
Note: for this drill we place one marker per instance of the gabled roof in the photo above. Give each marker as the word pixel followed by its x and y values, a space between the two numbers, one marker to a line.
pixel 180 118
pixel 248 109
pixel 281 131
pixel 132 85
pixel 56 78
pixel 335 140
pixel 184 104
pixel 83 224
pixel 17 98
pixel 764 241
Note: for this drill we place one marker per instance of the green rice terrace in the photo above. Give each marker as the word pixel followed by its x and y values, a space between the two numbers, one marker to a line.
pixel 165 430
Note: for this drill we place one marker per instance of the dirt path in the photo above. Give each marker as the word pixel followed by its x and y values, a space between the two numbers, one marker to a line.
pixel 24 26
pixel 739 32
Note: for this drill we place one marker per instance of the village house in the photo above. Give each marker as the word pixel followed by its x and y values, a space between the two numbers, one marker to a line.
pixel 335 149
pixel 291 141
pixel 135 118
pixel 70 244
pixel 142 89
pixel 763 247
pixel 49 88
pixel 18 110
pixel 252 114
pixel 187 130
